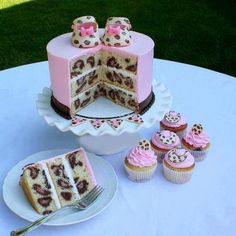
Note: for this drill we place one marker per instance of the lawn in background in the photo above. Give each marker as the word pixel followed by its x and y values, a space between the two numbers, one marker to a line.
pixel 199 32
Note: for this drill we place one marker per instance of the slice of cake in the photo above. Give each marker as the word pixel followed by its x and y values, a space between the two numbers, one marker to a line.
pixel 82 172
pixel 57 182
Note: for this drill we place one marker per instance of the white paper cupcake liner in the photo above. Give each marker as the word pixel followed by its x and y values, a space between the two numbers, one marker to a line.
pixel 139 176
pixel 177 177
pixel 198 155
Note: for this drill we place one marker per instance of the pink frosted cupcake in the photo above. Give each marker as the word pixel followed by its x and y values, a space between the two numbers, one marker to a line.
pixel 197 142
pixel 141 162
pixel 174 122
pixel 163 142
pixel 178 166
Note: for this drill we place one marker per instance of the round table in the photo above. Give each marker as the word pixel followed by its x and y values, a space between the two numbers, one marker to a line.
pixel 204 206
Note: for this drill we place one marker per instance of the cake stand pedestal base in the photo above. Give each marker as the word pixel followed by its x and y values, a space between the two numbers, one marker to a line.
pixel 108 144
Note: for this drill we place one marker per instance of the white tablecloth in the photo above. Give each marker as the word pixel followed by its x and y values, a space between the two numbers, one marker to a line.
pixel 204 206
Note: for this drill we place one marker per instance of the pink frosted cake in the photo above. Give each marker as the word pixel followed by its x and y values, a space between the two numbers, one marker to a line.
pixel 57 182
pixel 114 62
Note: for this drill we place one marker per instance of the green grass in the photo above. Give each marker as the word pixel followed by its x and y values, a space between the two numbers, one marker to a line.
pixel 199 32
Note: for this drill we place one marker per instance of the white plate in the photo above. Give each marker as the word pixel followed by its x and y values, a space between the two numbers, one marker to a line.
pixel 102 108
pixel 15 198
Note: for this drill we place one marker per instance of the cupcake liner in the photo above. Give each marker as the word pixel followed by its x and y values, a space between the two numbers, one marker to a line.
pixel 198 155
pixel 177 177
pixel 139 176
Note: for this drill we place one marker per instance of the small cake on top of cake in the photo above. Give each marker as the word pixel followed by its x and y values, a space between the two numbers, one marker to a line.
pixel 114 62
pixel 57 182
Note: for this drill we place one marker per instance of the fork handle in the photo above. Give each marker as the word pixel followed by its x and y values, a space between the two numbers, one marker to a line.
pixel 37 223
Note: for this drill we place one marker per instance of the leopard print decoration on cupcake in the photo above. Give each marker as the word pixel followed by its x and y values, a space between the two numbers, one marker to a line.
pixel 144 144
pixel 177 155
pixel 172 117
pixel 167 137
pixel 85 32
pixel 117 32
pixel 197 129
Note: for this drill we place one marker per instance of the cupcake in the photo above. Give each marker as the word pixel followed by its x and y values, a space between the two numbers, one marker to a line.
pixel 174 122
pixel 141 162
pixel 164 141
pixel 178 165
pixel 197 142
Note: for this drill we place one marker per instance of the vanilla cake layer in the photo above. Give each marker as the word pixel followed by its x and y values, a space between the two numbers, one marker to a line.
pixel 41 193
pixel 59 181
pixel 84 99
pixel 119 78
pixel 84 63
pixel 119 96
pixel 83 181
pixel 120 61
pixel 59 172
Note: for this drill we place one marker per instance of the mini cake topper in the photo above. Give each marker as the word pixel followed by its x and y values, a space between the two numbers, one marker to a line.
pixel 144 144
pixel 177 155
pixel 85 32
pixel 119 20
pixel 172 117
pixel 117 32
pixel 167 137
pixel 197 129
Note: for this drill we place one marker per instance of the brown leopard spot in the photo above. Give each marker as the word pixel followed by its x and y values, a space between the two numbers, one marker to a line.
pixel 82 186
pixel 117 36
pixel 45 201
pixel 85 102
pixel 33 172
pixel 66 195
pixel 76 41
pixel 132 68
pixel 79 64
pixel 77 103
pixel 87 42
pixel 59 170
pixel 38 188
pixel 64 184
pixel 91 61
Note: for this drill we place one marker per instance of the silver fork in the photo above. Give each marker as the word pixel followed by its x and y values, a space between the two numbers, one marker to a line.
pixel 81 204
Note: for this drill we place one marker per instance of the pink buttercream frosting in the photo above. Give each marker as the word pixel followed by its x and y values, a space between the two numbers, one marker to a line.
pixel 197 140
pixel 179 122
pixel 178 152
pixel 141 158
pixel 158 141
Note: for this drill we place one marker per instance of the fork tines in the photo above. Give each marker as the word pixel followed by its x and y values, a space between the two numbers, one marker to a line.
pixel 91 196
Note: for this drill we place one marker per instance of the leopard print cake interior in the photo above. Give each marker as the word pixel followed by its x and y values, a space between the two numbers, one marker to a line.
pixel 104 74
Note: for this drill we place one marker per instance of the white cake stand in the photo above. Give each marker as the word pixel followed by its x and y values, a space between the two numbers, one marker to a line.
pixel 107 140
